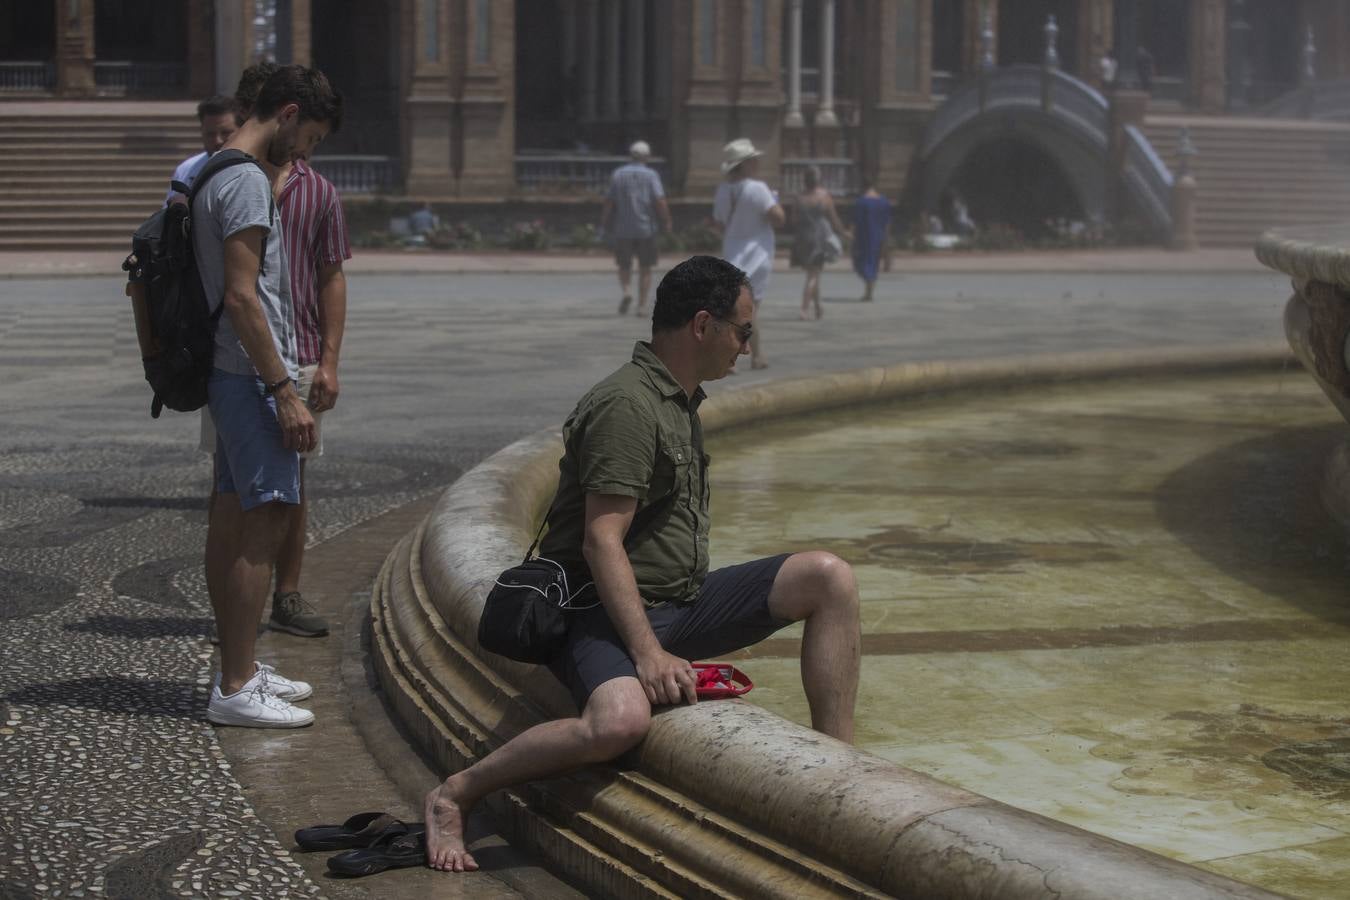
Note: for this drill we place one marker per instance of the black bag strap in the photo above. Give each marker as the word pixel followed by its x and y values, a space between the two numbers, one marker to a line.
pixel 217 163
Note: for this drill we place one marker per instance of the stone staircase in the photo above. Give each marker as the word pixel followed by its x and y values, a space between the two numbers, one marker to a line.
pixel 83 175
pixel 1256 173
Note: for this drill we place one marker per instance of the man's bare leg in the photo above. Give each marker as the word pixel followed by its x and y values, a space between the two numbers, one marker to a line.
pixel 626 285
pixel 615 718
pixel 241 572
pixel 644 287
pixel 820 588
pixel 291 557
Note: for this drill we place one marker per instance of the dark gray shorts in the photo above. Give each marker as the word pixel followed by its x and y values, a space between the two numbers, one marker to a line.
pixel 643 248
pixel 731 611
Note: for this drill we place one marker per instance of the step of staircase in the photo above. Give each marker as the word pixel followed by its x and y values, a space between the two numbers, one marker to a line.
pixel 78 175
pixel 1252 174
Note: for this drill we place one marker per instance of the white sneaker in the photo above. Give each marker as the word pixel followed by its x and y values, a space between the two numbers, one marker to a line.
pixel 279 685
pixel 253 706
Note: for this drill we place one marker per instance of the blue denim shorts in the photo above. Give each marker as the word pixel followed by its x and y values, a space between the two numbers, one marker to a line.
pixel 251 459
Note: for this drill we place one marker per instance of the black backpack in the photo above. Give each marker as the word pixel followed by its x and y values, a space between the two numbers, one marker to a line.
pixel 163 269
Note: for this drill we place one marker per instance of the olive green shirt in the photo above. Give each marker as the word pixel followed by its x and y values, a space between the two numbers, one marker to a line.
pixel 637 434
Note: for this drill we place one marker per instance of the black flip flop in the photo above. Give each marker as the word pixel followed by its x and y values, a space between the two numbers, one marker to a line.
pixel 358 831
pixel 395 849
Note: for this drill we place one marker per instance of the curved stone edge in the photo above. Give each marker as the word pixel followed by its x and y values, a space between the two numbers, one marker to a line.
pixel 1316 253
pixel 726 799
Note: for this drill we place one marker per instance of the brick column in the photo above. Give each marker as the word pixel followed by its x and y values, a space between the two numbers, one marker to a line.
pixel 201 49
pixel 428 106
pixel 897 42
pixel 1208 53
pixel 708 102
pixel 487 103
pixel 759 92
pixel 302 24
pixel 75 48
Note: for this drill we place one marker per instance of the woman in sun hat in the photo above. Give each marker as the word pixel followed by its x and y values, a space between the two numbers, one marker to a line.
pixel 748 213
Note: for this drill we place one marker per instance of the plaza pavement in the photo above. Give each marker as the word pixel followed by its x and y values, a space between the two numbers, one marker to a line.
pixel 114 785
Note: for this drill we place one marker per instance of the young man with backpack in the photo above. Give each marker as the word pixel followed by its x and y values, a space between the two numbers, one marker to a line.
pixel 262 422
pixel 316 244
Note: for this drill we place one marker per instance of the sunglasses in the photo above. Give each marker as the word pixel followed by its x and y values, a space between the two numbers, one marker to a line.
pixel 744 332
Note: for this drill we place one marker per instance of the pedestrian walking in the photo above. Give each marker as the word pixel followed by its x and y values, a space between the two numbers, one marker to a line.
pixel 748 212
pixel 634 210
pixel 871 222
pixel 816 240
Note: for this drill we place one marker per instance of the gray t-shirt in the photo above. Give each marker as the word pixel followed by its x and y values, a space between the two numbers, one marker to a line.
pixel 240 197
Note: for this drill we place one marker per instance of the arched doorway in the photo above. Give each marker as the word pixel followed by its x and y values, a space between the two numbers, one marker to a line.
pixel 1012 184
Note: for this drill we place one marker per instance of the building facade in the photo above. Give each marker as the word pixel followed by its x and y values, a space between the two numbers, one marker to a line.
pixel 484 99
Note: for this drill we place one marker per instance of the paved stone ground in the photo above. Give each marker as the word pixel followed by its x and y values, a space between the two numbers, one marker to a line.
pixel 113 785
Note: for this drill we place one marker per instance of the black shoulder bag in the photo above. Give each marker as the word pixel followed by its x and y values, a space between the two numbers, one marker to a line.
pixel 525 616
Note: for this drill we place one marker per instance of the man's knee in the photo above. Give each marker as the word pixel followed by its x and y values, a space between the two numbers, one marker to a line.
pixel 816 581
pixel 619 716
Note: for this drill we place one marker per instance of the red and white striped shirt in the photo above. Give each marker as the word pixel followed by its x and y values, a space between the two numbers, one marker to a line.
pixel 315 232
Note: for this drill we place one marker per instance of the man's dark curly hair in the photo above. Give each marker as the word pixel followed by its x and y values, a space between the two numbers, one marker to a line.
pixel 308 88
pixel 700 282
pixel 251 81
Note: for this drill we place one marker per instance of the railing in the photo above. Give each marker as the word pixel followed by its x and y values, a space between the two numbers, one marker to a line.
pixel 359 174
pixel 1324 100
pixel 1084 110
pixel 27 76
pixel 838 176
pixel 117 77
pixel 543 172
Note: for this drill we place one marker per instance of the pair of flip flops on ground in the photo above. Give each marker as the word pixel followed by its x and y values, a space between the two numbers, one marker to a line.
pixel 372 842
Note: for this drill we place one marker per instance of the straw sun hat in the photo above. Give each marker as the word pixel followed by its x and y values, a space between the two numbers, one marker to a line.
pixel 737 152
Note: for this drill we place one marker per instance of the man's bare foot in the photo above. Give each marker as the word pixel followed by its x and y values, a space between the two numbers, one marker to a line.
pixel 445 833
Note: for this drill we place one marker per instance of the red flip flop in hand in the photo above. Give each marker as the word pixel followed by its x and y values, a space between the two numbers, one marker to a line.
pixel 717 680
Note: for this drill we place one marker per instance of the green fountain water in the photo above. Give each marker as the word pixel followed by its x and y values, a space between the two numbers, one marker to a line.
pixel 1119 604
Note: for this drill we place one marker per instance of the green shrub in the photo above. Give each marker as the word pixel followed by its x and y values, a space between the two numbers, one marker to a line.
pixel 529 236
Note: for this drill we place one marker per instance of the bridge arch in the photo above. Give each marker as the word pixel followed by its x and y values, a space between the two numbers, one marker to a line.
pixel 1063 119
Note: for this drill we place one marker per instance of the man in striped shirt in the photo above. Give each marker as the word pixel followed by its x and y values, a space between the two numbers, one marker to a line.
pixel 314 232
pixel 635 201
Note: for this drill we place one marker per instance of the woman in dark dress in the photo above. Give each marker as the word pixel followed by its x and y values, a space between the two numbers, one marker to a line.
pixel 817 238
pixel 871 220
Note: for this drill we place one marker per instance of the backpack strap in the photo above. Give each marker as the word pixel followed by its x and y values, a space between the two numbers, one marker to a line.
pixel 217 163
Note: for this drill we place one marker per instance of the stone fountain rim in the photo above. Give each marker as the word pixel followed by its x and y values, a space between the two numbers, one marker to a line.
pixel 489 515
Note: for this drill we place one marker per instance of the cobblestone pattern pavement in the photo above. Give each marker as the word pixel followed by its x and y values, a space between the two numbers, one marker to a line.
pixel 112 783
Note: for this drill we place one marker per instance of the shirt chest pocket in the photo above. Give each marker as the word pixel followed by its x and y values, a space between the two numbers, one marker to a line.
pixel 674 463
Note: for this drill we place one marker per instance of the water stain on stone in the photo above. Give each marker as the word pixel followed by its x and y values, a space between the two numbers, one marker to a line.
pixel 925 552
pixel 1009 449
pixel 146 875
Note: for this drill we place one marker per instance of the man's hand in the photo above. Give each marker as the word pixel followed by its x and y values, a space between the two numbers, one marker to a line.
pixel 297 425
pixel 323 390
pixel 666 678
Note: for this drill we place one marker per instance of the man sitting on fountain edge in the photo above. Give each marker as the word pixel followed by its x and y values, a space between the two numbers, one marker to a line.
pixel 633 460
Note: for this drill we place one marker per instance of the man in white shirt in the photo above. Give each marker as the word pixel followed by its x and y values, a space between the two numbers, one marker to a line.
pixel 219 119
pixel 748 212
